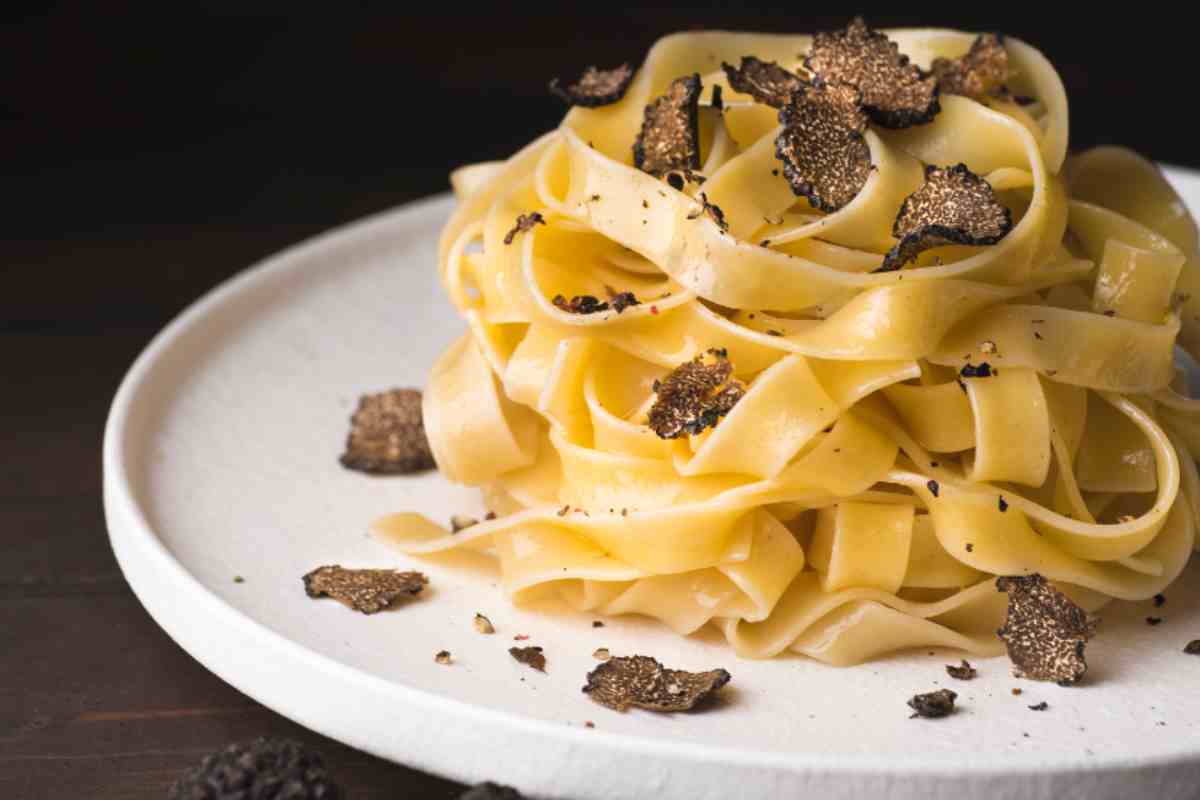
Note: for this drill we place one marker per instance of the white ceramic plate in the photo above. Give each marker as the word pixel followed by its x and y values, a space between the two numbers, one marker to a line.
pixel 220 459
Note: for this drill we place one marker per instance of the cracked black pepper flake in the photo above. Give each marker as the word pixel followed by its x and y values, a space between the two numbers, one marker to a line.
pixel 710 210
pixel 695 395
pixel 825 157
pixel 1152 621
pixel 1160 600
pixel 580 304
pixel 365 590
pixel 387 434
pixel 1192 648
pixel 1045 632
pixel 932 705
pixel 964 672
pixel 765 81
pixel 525 222
pixel 895 92
pixel 953 206
pixel 670 135
pixel 981 71
pixel 443 657
pixel 266 768
pixel 596 87
pixel 1042 706
pixel 483 624
pixel 641 681
pixel 983 370
pixel 491 791
pixel 933 487
pixel 1003 503
pixel 460 522
pixel 530 656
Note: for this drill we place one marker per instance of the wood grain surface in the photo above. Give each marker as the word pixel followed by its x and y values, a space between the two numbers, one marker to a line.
pixel 150 154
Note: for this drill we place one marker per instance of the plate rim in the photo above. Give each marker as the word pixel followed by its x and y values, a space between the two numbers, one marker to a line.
pixel 138 548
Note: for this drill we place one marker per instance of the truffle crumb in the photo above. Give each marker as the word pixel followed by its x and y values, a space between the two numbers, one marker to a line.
pixel 365 590
pixel 1042 706
pixel 670 136
pixel 641 681
pixel 765 81
pixel 483 624
pixel 596 87
pixel 491 791
pixel 258 770
pixel 984 370
pixel 825 157
pixel 460 522
pixel 530 656
pixel 1152 621
pixel 933 487
pixel 952 206
pixel 1045 632
pixel 442 657
pixel 387 434
pixel 525 222
pixel 981 71
pixel 1160 600
pixel 1192 648
pixel 596 623
pixel 710 210
pixel 932 704
pixel 895 92
pixel 695 395
pixel 965 672
pixel 580 304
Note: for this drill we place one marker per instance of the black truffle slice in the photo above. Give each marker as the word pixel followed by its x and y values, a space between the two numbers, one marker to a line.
pixel 1045 632
pixel 965 672
pixel 765 81
pixel 641 681
pixel 264 769
pixel 980 72
pixel 580 304
pixel 825 157
pixel 530 656
pixel 953 206
pixel 491 791
pixel 932 704
pixel 670 135
pixel 895 93
pixel 695 395
pixel 387 434
pixel 365 590
pixel 525 222
pixel 596 87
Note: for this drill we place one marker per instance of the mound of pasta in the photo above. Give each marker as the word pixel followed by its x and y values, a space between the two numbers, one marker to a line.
pixel 811 338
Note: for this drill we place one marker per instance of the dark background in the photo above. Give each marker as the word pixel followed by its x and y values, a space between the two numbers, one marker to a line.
pixel 149 153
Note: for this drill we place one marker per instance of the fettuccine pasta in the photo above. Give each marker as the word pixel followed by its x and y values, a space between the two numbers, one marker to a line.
pixel 896 439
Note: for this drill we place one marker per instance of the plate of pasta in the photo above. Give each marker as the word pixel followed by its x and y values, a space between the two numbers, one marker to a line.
pixel 799 399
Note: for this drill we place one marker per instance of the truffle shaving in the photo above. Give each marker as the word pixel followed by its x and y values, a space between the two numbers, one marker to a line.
pixel 641 681
pixel 765 81
pixel 530 656
pixel 387 434
pixel 953 206
pixel 670 136
pixel 695 395
pixel 895 92
pixel 1045 632
pixel 596 87
pixel 825 157
pixel 932 704
pixel 365 590
pixel 964 672
pixel 978 73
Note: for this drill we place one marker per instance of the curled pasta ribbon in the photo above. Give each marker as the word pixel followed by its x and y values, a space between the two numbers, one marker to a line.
pixel 866 490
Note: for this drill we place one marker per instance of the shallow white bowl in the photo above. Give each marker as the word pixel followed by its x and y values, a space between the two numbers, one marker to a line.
pixel 220 459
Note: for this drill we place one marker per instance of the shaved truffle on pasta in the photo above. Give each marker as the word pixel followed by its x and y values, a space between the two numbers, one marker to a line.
pixel 781 444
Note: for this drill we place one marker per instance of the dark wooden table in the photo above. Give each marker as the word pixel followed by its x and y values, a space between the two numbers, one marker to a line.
pixel 148 157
